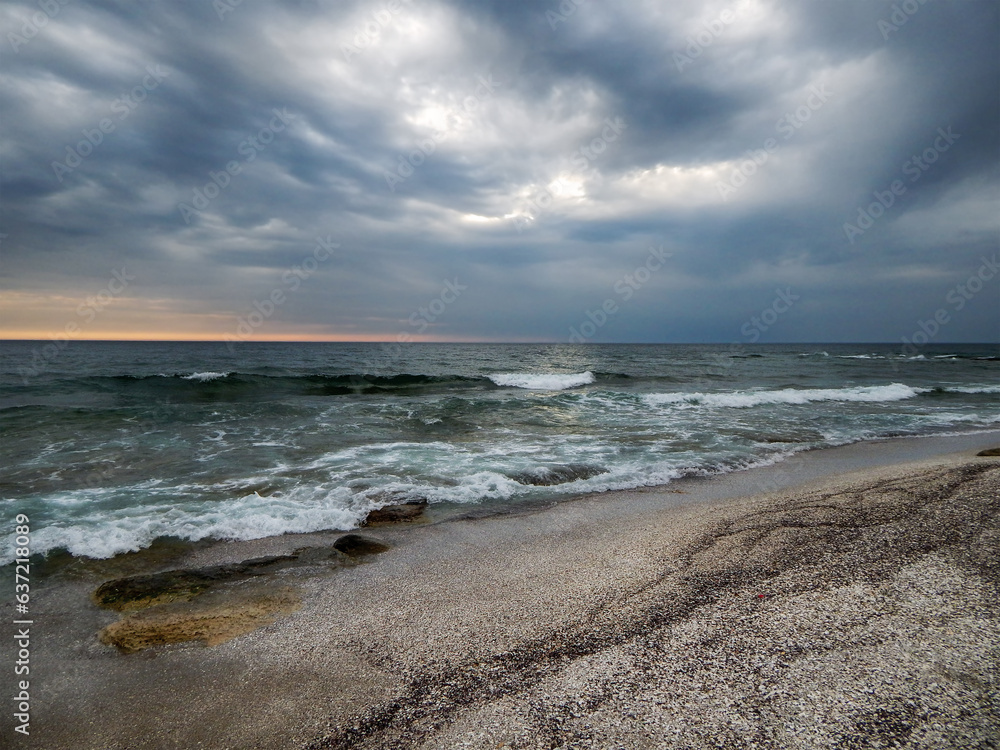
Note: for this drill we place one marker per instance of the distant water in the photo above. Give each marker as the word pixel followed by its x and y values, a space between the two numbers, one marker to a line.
pixel 108 446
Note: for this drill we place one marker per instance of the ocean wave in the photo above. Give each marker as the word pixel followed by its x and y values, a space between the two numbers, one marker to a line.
pixel 543 381
pixel 746 399
pixel 239 386
pixel 250 517
pixel 968 357
pixel 213 385
pixel 203 377
pixel 972 389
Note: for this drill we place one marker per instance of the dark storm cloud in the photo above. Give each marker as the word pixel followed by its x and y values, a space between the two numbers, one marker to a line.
pixel 533 151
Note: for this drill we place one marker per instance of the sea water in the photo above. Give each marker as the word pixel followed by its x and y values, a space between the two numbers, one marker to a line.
pixel 108 446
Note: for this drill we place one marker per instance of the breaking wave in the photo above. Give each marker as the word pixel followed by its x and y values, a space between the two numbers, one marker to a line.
pixel 543 381
pixel 746 399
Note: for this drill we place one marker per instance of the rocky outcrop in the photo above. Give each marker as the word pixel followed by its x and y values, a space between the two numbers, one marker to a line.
pixel 355 545
pixel 215 603
pixel 213 619
pixel 141 591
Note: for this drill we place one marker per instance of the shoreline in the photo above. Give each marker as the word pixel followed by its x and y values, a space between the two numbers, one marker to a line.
pixel 798 469
pixel 503 629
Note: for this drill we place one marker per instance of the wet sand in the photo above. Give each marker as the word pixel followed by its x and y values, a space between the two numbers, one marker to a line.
pixel 846 598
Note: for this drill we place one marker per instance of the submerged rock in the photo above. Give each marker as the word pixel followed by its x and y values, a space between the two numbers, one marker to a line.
pixel 546 476
pixel 213 619
pixel 214 603
pixel 989 452
pixel 141 591
pixel 396 513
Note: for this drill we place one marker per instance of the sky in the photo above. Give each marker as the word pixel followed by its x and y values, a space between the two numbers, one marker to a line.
pixel 496 170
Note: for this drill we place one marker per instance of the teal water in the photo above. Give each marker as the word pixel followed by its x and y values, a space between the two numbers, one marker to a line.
pixel 109 446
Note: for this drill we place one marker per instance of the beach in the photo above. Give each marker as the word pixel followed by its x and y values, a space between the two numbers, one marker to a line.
pixel 845 598
pixel 499 375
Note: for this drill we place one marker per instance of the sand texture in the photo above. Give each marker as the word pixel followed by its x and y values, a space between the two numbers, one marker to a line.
pixel 850 612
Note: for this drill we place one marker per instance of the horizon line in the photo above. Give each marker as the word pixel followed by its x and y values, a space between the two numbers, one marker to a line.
pixel 547 342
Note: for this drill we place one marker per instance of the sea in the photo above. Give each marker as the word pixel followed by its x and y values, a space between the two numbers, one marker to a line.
pixel 110 447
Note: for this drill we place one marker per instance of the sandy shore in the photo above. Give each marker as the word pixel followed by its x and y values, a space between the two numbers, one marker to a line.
pixel 796 606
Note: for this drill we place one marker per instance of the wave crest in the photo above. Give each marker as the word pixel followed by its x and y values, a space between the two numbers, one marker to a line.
pixel 548 381
pixel 746 399
pixel 204 377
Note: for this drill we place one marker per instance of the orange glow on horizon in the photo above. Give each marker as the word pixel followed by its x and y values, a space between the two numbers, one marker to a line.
pixel 359 338
pixel 41 316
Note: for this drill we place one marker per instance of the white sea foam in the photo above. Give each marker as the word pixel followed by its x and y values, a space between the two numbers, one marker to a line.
pixel 546 381
pixel 745 399
pixel 105 534
pixel 973 389
pixel 203 377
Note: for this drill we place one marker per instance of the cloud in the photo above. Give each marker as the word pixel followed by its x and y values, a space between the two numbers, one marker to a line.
pixel 533 151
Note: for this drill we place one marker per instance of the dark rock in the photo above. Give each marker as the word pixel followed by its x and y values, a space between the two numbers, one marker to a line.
pixel 396 513
pixel 141 591
pixel 546 476
pixel 354 545
pixel 138 592
pixel 989 452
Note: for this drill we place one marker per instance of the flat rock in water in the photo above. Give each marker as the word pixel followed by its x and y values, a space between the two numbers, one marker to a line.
pixel 141 591
pixel 214 619
pixel 989 452
pixel 547 476
pixel 397 513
